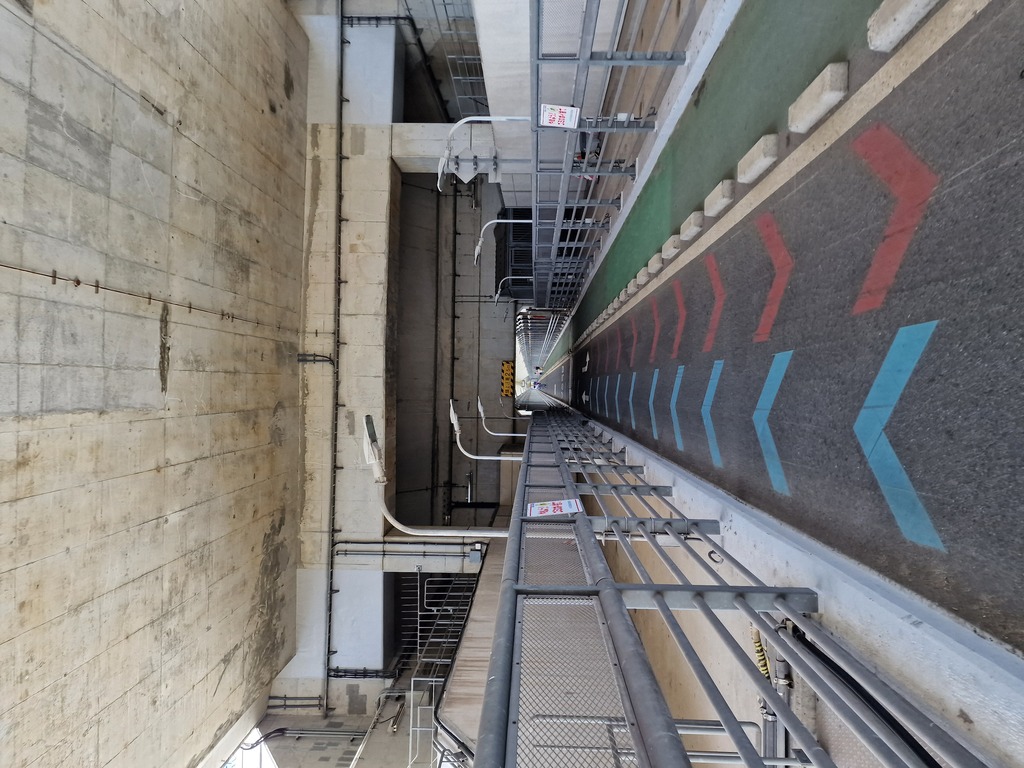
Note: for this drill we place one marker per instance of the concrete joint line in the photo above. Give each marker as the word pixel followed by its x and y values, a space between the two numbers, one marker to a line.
pixel 936 32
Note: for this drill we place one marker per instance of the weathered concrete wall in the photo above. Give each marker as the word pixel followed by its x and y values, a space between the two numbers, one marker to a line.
pixel 150 420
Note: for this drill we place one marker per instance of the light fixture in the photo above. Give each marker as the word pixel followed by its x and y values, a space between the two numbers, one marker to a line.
pixel 458 439
pixel 447 154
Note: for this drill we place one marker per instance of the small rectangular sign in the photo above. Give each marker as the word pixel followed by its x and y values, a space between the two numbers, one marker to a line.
pixel 508 378
pixel 560 507
pixel 556 116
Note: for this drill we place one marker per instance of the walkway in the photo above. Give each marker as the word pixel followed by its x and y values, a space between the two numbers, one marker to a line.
pixel 848 356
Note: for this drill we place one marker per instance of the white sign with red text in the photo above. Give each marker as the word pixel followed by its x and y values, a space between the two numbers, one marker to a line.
pixel 560 507
pixel 556 116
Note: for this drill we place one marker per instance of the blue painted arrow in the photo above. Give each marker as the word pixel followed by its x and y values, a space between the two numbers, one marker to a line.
pixel 632 416
pixel 764 432
pixel 618 381
pixel 672 407
pixel 650 404
pixel 892 378
pixel 705 410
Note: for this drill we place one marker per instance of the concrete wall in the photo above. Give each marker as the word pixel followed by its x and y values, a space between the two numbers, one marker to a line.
pixel 150 420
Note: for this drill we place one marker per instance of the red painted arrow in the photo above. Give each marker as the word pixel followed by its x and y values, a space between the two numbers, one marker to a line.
pixel 682 317
pixel 657 326
pixel 783 264
pixel 912 183
pixel 716 313
pixel 632 351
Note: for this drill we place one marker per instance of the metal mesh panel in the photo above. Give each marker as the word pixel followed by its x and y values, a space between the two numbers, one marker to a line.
pixel 560 21
pixel 551 555
pixel 566 671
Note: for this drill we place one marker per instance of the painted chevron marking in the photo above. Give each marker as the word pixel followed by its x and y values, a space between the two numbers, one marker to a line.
pixel 705 412
pixel 672 407
pixel 783 263
pixel 764 432
pixel 657 327
pixel 897 368
pixel 618 381
pixel 632 350
pixel 632 415
pixel 650 404
pixel 681 306
pixel 618 352
pixel 716 313
pixel 911 182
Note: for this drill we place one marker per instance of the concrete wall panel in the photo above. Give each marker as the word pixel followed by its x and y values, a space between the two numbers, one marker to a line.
pixel 150 421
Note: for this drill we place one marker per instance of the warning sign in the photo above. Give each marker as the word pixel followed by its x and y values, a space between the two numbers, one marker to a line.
pixel 555 116
pixel 560 507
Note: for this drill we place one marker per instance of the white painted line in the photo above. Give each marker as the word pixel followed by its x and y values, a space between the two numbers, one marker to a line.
pixel 818 99
pixel 692 226
pixel 759 159
pixel 721 197
pixel 894 20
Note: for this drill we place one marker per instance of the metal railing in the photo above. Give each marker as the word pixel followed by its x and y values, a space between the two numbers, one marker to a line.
pixel 583 596
pixel 632 49
pixel 443 605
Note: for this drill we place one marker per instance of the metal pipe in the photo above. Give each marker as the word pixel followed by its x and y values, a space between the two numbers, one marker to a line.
pixel 483 421
pixel 497 292
pixel 707 683
pixel 925 728
pixel 879 739
pixel 458 439
pixel 332 504
pixel 488 225
pixel 494 712
pixel 683 726
pixel 444 532
pixel 655 725
pixel 800 731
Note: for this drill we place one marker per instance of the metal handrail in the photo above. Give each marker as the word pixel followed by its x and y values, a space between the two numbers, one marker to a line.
pixel 630 507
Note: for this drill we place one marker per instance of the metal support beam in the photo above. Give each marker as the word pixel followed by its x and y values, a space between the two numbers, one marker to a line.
pixel 686 597
pixel 627 171
pixel 592 489
pixel 613 125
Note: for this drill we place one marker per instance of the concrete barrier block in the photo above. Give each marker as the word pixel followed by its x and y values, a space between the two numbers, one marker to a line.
pixel 655 264
pixel 633 287
pixel 894 20
pixel 691 227
pixel 643 277
pixel 721 197
pixel 759 159
pixel 824 92
pixel 672 248
pixel 624 295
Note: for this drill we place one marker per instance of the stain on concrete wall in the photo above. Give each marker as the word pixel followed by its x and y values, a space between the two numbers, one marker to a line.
pixel 151 276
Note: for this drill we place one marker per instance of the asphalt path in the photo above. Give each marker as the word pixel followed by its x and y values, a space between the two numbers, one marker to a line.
pixel 849 358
